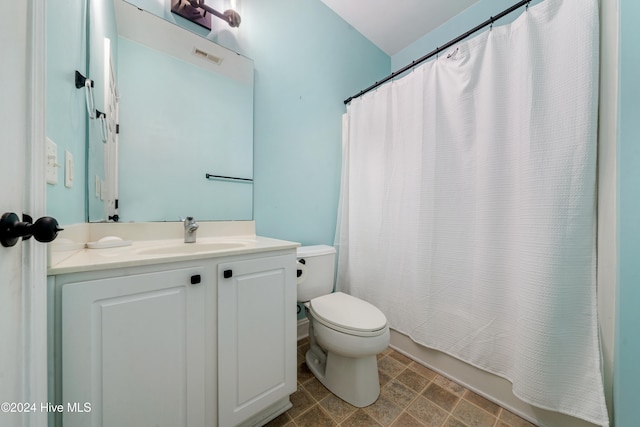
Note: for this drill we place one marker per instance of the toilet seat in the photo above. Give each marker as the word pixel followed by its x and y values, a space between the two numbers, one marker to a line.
pixel 348 314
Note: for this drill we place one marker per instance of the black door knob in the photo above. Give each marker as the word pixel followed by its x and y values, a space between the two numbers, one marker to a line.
pixel 43 230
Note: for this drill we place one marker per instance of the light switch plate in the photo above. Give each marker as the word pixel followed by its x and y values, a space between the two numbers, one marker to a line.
pixel 52 162
pixel 68 169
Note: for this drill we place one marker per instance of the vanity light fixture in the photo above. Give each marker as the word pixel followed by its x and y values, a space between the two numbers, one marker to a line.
pixel 189 9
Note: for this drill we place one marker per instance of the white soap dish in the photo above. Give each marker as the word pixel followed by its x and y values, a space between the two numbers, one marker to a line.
pixel 109 242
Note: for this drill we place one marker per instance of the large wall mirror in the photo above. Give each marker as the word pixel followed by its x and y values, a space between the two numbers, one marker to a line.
pixel 173 131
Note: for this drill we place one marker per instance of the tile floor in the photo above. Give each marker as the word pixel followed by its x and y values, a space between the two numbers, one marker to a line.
pixel 410 395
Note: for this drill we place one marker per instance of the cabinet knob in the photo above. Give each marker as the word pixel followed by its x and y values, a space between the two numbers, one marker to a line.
pixel 196 279
pixel 227 274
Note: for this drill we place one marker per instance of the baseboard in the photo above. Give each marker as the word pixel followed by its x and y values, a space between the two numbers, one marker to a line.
pixel 303 328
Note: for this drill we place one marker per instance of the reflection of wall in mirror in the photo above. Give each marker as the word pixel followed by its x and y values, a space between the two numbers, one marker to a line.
pixel 172 105
pixel 103 47
pixel 179 122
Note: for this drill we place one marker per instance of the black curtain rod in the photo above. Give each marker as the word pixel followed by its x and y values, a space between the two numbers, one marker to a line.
pixel 437 50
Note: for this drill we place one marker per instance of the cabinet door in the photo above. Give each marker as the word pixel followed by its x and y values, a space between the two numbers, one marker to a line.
pixel 133 350
pixel 256 336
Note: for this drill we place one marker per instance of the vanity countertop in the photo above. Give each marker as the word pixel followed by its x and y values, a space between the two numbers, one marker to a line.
pixel 146 252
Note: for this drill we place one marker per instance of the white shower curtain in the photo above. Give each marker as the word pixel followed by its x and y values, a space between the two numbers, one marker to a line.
pixel 467 211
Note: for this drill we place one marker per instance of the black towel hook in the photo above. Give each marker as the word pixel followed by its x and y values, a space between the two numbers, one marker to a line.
pixel 81 80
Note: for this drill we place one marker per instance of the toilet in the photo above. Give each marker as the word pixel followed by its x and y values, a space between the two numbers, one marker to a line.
pixel 345 333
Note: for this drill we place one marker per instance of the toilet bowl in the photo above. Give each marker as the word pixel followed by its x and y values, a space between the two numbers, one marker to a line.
pixel 345 332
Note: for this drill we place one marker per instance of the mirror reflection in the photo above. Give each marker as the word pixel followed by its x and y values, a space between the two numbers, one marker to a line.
pixel 173 133
pixel 185 110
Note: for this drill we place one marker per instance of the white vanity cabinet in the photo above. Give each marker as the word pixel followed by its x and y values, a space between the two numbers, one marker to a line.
pixel 256 337
pixel 205 342
pixel 132 348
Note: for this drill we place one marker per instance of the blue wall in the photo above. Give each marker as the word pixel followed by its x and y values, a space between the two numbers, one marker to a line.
pixel 65 111
pixel 451 29
pixel 307 61
pixel 627 348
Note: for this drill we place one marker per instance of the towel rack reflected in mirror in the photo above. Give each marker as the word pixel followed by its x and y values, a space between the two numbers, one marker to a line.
pixel 227 178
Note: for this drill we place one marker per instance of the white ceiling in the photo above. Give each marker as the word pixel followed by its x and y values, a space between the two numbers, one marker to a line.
pixel 392 25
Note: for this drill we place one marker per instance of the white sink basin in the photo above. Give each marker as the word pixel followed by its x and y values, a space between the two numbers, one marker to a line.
pixel 191 248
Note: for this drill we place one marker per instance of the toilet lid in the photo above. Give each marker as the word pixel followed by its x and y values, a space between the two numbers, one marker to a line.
pixel 347 312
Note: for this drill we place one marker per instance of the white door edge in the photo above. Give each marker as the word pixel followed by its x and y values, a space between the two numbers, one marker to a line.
pixel 34 277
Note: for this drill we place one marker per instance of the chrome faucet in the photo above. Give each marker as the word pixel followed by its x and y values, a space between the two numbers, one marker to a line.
pixel 190 228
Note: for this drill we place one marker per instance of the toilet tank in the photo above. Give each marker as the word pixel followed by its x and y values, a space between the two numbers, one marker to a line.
pixel 316 266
